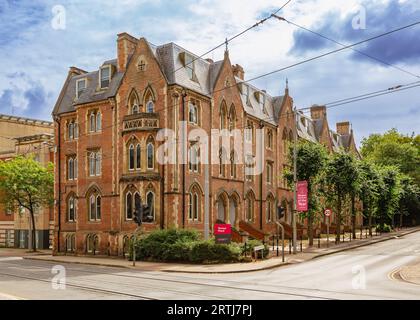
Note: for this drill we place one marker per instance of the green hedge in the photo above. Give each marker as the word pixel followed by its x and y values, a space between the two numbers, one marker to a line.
pixel 187 246
pixel 384 228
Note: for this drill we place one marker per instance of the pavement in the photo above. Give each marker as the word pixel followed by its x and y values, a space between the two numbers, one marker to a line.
pixel 410 272
pixel 368 272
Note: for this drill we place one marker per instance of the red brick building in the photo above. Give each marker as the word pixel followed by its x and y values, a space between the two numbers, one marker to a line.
pixel 109 141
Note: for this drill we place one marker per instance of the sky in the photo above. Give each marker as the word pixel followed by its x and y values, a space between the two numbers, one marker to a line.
pixel 40 40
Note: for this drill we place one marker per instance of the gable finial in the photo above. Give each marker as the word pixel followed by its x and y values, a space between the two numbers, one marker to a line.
pixel 287 83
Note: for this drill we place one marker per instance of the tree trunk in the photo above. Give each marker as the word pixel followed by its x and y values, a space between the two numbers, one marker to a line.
pixel 370 224
pixel 338 229
pixel 33 231
pixel 353 217
pixel 310 230
pixel 310 220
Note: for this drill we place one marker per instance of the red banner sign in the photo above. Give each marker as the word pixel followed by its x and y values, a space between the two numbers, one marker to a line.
pixel 302 196
pixel 222 229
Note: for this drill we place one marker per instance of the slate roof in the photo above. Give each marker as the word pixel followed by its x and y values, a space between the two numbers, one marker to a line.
pixel 168 56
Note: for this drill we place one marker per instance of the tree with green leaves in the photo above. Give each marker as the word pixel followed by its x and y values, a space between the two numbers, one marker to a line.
pixel 393 148
pixel 341 175
pixel 389 193
pixel 311 160
pixel 25 183
pixel 409 203
pixel 369 184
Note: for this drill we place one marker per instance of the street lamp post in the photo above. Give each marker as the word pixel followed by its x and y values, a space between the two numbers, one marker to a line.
pixel 294 181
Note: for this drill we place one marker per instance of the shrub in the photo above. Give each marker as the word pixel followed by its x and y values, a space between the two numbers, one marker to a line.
pixel 185 246
pixel 166 245
pixel 384 228
pixel 211 252
pixel 248 249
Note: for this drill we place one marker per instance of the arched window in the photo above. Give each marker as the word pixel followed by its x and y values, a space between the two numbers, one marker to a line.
pixel 71 130
pixel 71 168
pixel 129 206
pixel 94 206
pixel 138 156
pixel 269 208
pixel 98 121
pixel 92 120
pixel 137 202
pixel 249 207
pixel 223 115
pixel 91 243
pixel 131 157
pixel 150 155
pixel 222 162
pixel 193 113
pixel 194 161
pixel 269 138
pixel 232 165
pixel 150 106
pixel 194 206
pixel 232 118
pixel 150 200
pixel 71 205
pixel 133 103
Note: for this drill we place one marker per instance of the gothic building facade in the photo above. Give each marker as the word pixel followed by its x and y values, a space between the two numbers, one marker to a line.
pixel 115 132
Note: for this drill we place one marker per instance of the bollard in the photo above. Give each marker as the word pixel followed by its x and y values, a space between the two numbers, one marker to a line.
pixel 319 241
pixel 366 233
pixel 277 245
pixel 290 246
pixel 343 235
pixel 273 242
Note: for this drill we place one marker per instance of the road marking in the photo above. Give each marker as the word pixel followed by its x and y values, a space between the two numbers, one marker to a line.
pixel 11 259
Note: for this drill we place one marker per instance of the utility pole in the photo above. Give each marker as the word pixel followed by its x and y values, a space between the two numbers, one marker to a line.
pixel 294 180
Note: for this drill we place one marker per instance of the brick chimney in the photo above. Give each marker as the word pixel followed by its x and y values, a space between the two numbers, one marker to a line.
pixel 343 128
pixel 318 112
pixel 125 46
pixel 238 71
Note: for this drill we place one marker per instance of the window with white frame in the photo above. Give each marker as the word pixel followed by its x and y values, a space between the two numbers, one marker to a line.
pixel 80 87
pixel 72 168
pixel 269 172
pixel 270 209
pixel 194 206
pixel 71 211
pixel 95 205
pixel 150 201
pixel 94 163
pixel 95 121
pixel 193 113
pixel 189 66
pixel 72 129
pixel 105 76
pixel 249 207
pixel 131 156
pixel 150 106
pixel 194 161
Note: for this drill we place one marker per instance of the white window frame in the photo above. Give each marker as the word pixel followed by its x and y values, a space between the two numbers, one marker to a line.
pixel 100 76
pixel 153 155
pixel 78 90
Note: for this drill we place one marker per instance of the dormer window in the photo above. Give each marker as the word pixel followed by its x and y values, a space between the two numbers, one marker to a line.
pixel 105 76
pixel 189 66
pixel 80 87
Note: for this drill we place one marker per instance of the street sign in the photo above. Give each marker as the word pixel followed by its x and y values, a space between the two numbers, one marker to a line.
pixel 223 233
pixel 327 212
pixel 302 196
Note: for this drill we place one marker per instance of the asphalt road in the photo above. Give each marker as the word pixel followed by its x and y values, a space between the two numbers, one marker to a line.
pixel 363 273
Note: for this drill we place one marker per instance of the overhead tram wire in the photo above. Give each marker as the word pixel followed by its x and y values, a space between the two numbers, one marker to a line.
pixel 343 45
pixel 333 51
pixel 328 105
pixel 298 63
pixel 260 22
pixel 218 46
